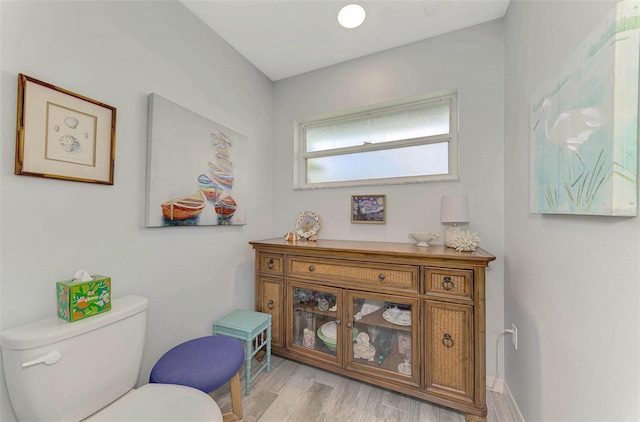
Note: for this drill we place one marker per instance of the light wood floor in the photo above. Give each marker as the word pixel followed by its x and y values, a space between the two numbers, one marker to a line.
pixel 294 392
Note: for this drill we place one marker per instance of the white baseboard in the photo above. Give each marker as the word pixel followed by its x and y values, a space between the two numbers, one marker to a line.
pixel 513 406
pixel 499 384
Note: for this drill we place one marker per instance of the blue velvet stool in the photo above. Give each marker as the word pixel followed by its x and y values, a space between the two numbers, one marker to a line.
pixel 205 363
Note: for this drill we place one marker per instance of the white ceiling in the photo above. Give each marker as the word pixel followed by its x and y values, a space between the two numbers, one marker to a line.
pixel 284 38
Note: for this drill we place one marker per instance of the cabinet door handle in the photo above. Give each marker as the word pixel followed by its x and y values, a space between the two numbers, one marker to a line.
pixel 349 325
pixel 381 277
pixel 270 264
pixel 338 322
pixel 447 341
pixel 447 284
pixel 271 304
pixel 311 268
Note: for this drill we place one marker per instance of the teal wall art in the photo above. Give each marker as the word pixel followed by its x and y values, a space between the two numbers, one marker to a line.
pixel 584 124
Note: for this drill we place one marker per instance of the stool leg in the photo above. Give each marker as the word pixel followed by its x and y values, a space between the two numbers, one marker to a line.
pixel 236 400
pixel 248 356
pixel 269 348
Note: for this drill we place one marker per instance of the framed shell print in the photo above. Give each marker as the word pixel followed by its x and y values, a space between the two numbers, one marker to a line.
pixel 63 135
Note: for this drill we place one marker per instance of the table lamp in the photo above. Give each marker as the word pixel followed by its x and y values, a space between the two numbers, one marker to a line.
pixel 454 209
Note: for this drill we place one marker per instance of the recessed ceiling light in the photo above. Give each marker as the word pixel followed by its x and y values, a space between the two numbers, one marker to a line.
pixel 351 16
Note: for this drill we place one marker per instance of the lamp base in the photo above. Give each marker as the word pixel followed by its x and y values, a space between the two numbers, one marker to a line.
pixel 450 234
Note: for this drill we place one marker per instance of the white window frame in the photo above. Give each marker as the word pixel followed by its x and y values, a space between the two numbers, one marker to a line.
pixel 301 154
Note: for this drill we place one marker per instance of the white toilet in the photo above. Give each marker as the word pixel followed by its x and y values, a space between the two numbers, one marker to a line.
pixel 86 370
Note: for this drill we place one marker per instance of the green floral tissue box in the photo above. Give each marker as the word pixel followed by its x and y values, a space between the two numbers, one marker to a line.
pixel 82 299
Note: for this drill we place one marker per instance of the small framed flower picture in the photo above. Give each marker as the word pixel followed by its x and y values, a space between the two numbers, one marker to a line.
pixel 371 209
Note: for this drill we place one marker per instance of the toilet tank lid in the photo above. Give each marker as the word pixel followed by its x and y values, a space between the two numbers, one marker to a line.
pixel 52 330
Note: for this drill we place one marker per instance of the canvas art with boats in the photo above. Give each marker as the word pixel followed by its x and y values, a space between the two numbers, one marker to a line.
pixel 196 173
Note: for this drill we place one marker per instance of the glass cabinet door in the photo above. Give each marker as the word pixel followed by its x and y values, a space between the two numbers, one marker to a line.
pixel 314 321
pixel 385 336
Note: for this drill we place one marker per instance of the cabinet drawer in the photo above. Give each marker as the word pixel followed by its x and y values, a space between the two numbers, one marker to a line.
pixel 404 277
pixel 269 263
pixel 449 283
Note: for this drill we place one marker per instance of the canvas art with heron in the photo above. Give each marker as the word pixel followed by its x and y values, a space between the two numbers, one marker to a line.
pixel 584 124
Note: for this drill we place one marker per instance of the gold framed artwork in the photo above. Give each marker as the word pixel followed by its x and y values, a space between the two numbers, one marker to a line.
pixel 370 209
pixel 63 135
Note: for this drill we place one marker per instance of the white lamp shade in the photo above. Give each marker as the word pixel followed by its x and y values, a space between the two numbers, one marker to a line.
pixel 454 209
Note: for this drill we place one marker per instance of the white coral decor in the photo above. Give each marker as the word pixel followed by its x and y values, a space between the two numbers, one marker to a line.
pixel 466 241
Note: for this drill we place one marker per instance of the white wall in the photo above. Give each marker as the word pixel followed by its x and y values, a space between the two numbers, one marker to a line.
pixel 469 60
pixel 571 282
pixel 118 53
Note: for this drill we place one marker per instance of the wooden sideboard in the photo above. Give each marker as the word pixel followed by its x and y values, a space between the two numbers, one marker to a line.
pixel 403 317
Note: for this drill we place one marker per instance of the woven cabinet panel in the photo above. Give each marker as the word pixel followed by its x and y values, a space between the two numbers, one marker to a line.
pixel 271 303
pixel 449 349
pixel 397 276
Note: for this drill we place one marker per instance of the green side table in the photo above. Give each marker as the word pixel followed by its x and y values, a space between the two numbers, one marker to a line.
pixel 249 326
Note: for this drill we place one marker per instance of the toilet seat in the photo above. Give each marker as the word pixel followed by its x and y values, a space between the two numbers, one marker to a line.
pixel 161 402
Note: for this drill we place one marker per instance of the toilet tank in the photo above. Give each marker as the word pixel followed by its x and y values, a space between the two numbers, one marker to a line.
pixel 61 371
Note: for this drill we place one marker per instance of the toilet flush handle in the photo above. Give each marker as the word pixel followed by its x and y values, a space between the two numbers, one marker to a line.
pixel 48 358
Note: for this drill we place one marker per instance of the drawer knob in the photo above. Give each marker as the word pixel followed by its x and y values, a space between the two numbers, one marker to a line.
pixel 447 341
pixel 447 284
pixel 381 277
pixel 270 264
pixel 270 304
pixel 311 268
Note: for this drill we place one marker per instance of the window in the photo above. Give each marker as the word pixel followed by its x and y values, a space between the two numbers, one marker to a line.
pixel 389 144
